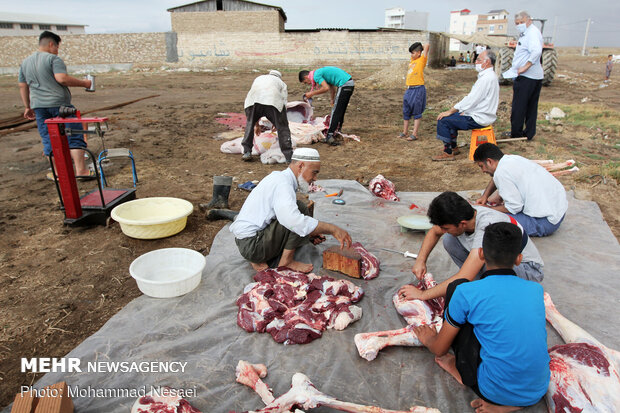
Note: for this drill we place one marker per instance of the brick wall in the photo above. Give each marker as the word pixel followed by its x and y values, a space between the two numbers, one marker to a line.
pixel 227 21
pixel 84 49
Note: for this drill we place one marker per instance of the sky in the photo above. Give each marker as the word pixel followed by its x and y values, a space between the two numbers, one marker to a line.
pixel 568 16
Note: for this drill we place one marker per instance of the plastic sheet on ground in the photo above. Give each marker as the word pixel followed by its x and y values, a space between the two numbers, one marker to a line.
pixel 581 274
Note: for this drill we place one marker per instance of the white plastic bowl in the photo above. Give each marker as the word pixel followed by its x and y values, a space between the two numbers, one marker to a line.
pixel 168 272
pixel 150 218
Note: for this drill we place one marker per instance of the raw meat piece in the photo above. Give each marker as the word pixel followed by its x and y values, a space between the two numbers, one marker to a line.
pixel 370 263
pixel 415 312
pixel 344 260
pixel 303 394
pixel 383 188
pixel 162 404
pixel 295 308
pixel 584 373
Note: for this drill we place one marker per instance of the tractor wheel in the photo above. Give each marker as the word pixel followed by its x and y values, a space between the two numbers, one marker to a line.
pixel 549 64
pixel 503 63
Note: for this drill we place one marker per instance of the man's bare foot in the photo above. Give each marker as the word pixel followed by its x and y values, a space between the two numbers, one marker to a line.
pixel 448 363
pixel 298 266
pixel 259 266
pixel 485 407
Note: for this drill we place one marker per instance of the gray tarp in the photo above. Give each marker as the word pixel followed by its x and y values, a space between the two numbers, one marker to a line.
pixel 581 274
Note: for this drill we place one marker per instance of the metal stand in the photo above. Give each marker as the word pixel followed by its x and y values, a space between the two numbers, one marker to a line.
pixel 95 206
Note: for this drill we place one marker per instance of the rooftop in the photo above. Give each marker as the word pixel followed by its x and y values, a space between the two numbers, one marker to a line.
pixel 37 18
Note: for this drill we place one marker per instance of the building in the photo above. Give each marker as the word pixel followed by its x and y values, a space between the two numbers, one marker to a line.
pixel 19 24
pixel 399 18
pixel 462 22
pixel 217 15
pixel 495 22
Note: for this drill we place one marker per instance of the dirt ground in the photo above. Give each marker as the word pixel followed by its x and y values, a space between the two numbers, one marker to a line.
pixel 58 285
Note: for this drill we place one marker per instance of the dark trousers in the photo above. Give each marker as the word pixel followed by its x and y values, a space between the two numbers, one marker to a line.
pixel 268 243
pixel 340 107
pixel 525 96
pixel 448 129
pixel 278 118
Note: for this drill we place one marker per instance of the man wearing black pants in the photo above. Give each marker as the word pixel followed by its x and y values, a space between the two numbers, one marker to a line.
pixel 267 98
pixel 340 85
pixel 527 68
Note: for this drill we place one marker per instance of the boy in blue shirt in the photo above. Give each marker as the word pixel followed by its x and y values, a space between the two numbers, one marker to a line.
pixel 340 84
pixel 496 328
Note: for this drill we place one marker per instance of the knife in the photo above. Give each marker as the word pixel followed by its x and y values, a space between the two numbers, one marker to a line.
pixel 407 254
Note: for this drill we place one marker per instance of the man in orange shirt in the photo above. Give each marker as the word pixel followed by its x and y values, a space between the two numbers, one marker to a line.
pixel 414 101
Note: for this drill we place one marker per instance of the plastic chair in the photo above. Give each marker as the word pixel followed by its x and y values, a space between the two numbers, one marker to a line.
pixel 116 153
pixel 478 137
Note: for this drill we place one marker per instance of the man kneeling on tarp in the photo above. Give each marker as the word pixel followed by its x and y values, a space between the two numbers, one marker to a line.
pixel 496 328
pixel 273 223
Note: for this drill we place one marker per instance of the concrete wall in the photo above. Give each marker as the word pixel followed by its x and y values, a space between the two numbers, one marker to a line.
pixel 92 49
pixel 228 49
pixel 227 21
pixel 301 48
pixel 36 30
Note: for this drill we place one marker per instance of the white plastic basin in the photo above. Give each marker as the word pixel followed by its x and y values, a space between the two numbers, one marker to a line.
pixel 168 272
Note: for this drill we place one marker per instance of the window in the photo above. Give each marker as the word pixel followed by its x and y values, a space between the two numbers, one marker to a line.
pixel 500 27
pixel 480 29
pixel 6 25
pixel 491 28
pixel 45 27
pixel 63 28
pixel 25 26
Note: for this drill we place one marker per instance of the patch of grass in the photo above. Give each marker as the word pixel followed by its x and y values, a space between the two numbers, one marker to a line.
pixel 612 169
pixel 591 116
pixel 594 156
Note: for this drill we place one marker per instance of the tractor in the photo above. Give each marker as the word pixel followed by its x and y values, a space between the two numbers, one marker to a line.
pixel 549 58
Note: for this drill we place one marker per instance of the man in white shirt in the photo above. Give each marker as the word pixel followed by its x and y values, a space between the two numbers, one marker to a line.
pixel 527 191
pixel 529 73
pixel 267 97
pixel 461 227
pixel 273 223
pixel 474 111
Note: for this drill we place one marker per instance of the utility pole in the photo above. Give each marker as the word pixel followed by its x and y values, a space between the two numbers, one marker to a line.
pixel 585 40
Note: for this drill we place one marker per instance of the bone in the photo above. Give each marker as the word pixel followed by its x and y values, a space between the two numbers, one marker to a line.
pixel 565 171
pixel 304 394
pixel 369 344
pixel 250 375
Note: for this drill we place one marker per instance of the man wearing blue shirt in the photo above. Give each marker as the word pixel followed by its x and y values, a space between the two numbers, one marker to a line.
pixel 496 328
pixel 529 73
pixel 340 85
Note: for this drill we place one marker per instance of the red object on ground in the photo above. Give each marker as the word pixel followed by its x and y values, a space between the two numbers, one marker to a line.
pixel 383 188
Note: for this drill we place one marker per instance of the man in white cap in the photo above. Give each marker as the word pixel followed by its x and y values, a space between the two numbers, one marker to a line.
pixel 267 97
pixel 273 223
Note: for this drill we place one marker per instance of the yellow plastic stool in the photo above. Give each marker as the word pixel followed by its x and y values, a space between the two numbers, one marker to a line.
pixel 480 136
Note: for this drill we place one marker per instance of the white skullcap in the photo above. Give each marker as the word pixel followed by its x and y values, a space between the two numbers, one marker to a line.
pixel 275 73
pixel 306 155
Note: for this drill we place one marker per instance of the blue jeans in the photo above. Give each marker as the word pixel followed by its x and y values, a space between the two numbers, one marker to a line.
pixel 448 128
pixel 527 270
pixel 536 227
pixel 75 141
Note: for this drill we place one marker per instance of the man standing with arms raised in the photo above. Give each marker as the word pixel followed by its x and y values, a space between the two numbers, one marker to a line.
pixel 528 73
pixel 272 223
pixel 44 88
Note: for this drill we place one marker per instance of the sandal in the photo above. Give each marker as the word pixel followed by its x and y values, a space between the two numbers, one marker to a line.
pixel 412 138
pixel 402 135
